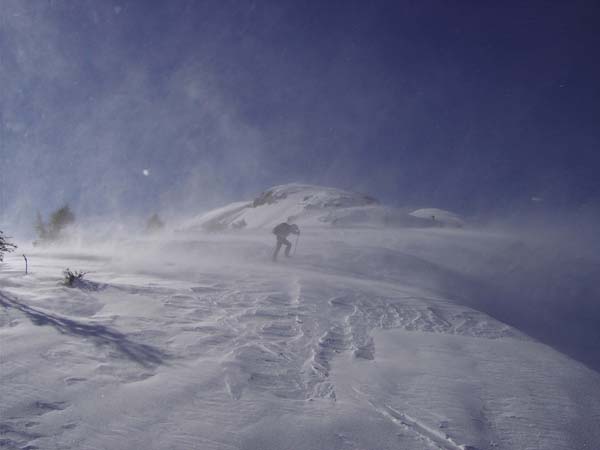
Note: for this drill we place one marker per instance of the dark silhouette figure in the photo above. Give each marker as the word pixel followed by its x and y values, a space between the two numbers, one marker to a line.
pixel 282 231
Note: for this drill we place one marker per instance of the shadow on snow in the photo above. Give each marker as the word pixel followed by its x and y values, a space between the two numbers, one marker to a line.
pixel 142 354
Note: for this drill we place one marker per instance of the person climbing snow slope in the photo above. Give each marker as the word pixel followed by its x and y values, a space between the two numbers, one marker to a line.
pixel 282 231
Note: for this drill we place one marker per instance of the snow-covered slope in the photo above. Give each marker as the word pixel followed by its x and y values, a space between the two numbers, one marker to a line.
pixel 306 205
pixel 439 217
pixel 366 339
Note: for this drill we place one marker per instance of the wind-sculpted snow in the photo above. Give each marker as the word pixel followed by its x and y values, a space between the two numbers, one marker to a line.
pixel 363 340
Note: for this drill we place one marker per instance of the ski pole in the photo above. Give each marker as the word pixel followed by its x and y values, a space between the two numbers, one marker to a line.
pixel 296 245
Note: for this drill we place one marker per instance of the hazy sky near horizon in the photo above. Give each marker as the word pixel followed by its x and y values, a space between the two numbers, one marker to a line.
pixel 137 106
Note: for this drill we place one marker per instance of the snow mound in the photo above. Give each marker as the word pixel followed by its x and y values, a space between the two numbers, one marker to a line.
pixel 309 205
pixel 301 203
pixel 311 196
pixel 373 216
pixel 439 217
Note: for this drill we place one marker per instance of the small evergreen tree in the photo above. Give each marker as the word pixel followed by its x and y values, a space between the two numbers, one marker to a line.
pixel 40 227
pixel 57 222
pixel 59 219
pixel 154 224
pixel 5 246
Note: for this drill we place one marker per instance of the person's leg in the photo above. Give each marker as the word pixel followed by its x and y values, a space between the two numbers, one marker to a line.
pixel 277 248
pixel 288 247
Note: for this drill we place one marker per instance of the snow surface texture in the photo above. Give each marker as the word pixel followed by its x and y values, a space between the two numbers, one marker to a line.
pixel 368 338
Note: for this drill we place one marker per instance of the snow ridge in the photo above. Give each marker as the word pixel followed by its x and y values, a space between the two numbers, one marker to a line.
pixel 315 206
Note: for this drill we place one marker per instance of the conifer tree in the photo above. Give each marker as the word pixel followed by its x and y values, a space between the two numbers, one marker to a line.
pixel 5 246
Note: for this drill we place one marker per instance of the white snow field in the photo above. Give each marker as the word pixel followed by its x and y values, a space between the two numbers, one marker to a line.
pixel 369 338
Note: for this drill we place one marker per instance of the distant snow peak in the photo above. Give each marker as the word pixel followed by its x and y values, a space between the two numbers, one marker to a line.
pixel 316 206
pixel 439 217
pixel 311 196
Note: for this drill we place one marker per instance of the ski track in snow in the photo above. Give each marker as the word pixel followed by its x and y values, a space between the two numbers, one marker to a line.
pixel 430 435
pixel 273 333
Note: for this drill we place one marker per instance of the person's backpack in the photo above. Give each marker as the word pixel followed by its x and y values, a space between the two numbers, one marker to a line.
pixel 281 229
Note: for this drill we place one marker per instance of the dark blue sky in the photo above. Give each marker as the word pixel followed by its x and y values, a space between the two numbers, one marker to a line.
pixel 464 105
